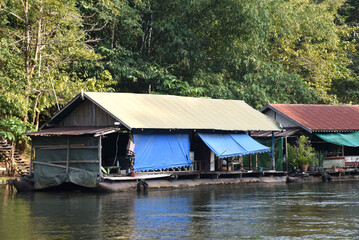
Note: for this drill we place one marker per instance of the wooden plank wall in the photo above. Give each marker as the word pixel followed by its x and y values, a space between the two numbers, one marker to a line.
pixel 88 114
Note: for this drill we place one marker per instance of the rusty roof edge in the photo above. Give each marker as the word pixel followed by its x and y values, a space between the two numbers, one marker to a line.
pixel 284 115
pixel 70 131
pixel 289 132
pixel 334 130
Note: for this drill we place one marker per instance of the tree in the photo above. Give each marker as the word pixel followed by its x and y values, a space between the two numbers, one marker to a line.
pixel 45 37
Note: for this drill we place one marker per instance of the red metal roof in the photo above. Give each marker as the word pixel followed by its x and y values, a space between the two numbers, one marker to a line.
pixel 72 131
pixel 320 117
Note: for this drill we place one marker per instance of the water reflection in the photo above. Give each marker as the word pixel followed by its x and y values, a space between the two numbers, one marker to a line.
pixel 315 211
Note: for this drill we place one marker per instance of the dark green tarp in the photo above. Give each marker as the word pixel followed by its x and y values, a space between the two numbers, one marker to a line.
pixel 342 139
pixel 83 161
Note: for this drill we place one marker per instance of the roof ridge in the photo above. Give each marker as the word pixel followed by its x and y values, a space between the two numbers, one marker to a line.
pixel 164 95
pixel 315 104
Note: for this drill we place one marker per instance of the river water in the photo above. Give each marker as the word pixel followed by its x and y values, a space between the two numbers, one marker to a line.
pixel 247 211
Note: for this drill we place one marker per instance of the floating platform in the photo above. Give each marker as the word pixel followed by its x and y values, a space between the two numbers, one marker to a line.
pixel 145 181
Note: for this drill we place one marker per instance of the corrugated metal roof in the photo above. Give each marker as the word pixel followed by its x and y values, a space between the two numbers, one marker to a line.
pixel 288 133
pixel 320 117
pixel 72 131
pixel 146 111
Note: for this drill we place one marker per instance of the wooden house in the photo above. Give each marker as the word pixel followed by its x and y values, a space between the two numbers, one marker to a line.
pixel 333 129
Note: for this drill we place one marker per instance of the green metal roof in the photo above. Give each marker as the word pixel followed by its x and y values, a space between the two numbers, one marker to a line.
pixel 148 111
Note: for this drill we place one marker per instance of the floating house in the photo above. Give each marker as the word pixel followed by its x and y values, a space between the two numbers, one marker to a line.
pixel 102 137
pixel 333 129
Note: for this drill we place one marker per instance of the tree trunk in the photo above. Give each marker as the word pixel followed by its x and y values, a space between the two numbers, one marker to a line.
pixel 27 54
pixel 30 65
pixel 35 106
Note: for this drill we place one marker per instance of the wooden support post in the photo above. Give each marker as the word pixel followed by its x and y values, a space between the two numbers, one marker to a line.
pixel 343 151
pixel 286 153
pixel 256 160
pixel 273 157
pixel 100 155
pixel 250 161
pixel 68 155
pixel 250 155
pixel 31 156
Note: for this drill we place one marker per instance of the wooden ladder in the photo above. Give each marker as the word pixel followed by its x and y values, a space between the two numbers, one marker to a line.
pixel 14 164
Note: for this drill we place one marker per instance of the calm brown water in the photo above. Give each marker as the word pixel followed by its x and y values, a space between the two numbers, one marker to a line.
pixel 252 211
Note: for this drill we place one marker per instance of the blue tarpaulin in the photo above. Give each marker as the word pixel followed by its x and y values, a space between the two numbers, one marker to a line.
pixel 223 145
pixel 161 150
pixel 249 144
pixel 230 145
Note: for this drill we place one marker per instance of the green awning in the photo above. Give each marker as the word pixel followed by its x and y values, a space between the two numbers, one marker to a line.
pixel 342 139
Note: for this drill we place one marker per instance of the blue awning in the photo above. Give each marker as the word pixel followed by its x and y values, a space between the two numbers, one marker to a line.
pixel 156 151
pixel 230 145
pixel 223 145
pixel 249 144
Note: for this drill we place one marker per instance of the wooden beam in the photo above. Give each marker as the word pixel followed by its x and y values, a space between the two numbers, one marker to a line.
pixel 58 166
pixel 73 146
pixel 76 161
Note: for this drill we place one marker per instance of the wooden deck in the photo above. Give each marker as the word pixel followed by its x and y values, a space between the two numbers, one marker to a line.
pixel 194 175
pixel 137 177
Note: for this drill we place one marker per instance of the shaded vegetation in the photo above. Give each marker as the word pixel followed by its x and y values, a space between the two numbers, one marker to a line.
pixel 261 51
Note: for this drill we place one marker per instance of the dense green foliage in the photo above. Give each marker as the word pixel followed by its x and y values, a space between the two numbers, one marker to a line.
pixel 14 129
pixel 261 51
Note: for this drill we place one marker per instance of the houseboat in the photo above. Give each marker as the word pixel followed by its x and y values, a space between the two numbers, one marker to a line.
pixel 119 141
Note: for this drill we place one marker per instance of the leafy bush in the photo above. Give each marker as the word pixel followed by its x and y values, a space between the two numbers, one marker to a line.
pixel 301 153
pixel 292 156
pixel 14 129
